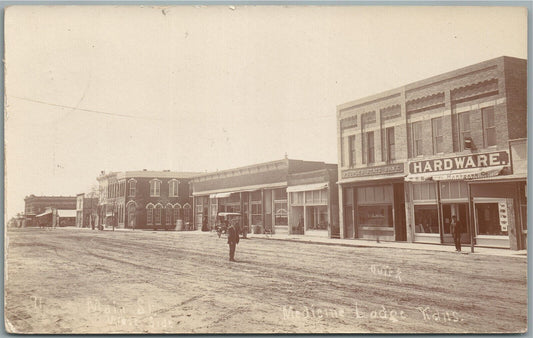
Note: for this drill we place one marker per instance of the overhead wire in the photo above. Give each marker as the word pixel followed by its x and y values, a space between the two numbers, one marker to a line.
pixel 84 109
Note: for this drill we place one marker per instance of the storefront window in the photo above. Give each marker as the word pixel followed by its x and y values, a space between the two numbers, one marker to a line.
pixel 280 194
pixel 375 215
pixel 257 213
pixel 281 213
pixel 425 191
pixel 256 195
pixel 317 218
pixel 453 190
pixel 297 197
pixel 488 220
pixel 308 197
pixel 375 194
pixel 426 219
pixel 233 207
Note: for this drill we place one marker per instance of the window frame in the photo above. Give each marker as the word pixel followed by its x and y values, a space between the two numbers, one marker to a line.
pixel 491 127
pixel 173 188
pixel 390 147
pixel 371 147
pixel 155 188
pixel 150 214
pixel 158 214
pixel 461 130
pixel 437 135
pixel 417 148
pixel 132 187
pixel 351 150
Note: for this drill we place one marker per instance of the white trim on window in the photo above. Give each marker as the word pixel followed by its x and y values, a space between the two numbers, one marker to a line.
pixel 155 187
pixel 173 189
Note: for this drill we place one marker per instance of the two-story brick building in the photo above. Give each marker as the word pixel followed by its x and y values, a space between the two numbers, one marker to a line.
pixel 146 199
pixel 284 196
pixel 413 157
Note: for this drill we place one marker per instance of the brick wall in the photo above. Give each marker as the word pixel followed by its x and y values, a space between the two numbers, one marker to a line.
pixel 500 83
pixel 516 92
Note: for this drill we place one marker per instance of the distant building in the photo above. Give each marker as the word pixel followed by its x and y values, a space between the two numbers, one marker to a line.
pixel 36 205
pixel 145 199
pixel 285 196
pixel 53 217
pixel 412 157
pixel 86 211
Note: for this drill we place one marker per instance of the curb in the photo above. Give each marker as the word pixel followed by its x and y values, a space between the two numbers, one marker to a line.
pixel 437 248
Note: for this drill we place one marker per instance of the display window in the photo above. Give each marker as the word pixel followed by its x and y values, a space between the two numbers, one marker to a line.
pixel 424 191
pixel 488 220
pixel 454 190
pixel 426 219
pixel 317 218
pixel 257 213
pixel 375 215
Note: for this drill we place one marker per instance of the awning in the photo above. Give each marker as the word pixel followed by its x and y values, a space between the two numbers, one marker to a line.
pixel 66 213
pixel 44 213
pixel 223 194
pixel 502 178
pixel 218 193
pixel 307 187
pixel 364 179
pixel 456 175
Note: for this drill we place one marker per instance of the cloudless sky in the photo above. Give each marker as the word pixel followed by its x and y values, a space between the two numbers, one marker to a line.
pixel 201 88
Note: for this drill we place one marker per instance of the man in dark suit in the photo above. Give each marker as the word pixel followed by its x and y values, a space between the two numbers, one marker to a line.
pixel 455 229
pixel 233 239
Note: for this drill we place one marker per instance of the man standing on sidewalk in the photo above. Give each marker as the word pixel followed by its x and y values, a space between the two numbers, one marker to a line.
pixel 455 229
pixel 233 239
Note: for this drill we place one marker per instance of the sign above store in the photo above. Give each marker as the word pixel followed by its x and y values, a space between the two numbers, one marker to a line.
pixel 472 161
pixel 370 171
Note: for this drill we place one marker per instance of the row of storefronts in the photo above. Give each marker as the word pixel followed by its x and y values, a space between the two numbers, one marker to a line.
pixel 490 203
pixel 281 197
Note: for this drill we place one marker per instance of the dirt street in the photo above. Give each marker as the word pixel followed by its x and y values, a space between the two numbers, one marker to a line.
pixel 83 281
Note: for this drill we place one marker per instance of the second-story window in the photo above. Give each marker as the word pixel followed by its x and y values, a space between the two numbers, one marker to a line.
pixel 173 186
pixel 464 128
pixel 132 188
pixel 438 138
pixel 155 188
pixel 417 138
pixel 368 147
pixel 390 148
pixel 351 155
pixel 489 127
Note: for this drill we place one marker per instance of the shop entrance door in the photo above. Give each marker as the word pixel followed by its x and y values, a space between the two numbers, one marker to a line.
pixel 461 211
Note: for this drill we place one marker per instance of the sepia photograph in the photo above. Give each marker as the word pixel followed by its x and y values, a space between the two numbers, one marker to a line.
pixel 265 169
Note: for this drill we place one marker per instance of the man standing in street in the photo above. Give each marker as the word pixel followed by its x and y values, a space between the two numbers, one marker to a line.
pixel 233 239
pixel 455 229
